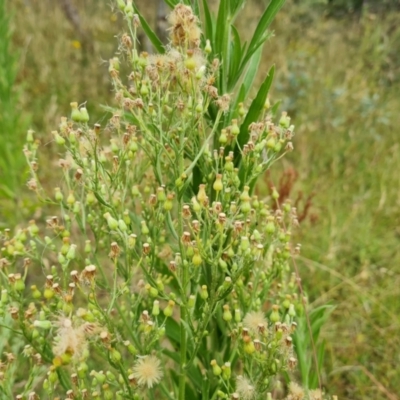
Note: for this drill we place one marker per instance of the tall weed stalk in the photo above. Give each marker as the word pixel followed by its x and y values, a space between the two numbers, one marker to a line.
pixel 161 273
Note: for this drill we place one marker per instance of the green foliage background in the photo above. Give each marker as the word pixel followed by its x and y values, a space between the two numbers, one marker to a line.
pixel 337 63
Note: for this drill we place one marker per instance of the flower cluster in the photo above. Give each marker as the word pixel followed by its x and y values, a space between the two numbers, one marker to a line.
pixel 160 261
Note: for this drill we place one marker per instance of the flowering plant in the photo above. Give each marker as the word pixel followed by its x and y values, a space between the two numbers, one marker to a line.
pixel 164 274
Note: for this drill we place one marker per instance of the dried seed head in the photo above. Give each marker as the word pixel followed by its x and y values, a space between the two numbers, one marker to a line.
pixel 186 238
pixel 146 249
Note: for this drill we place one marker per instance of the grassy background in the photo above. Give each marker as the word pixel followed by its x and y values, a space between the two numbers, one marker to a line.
pixel 338 74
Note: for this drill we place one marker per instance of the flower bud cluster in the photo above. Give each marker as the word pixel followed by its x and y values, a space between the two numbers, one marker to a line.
pixel 159 240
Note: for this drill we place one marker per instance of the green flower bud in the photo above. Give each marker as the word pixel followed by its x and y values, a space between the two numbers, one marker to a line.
pixel 58 138
pixel 204 292
pixel 284 121
pixel 29 136
pixel 19 285
pixel 145 229
pixel 226 315
pixel 245 207
pixel 238 316
pixel 208 48
pixel 274 316
pixel 235 130
pixel 226 371
pixel 241 110
pixel 156 308
pixel 249 347
pixel 292 311
pixel 112 222
pixel 216 368
pixel 131 348
pixel 42 324
pixel 84 114
pixel 75 113
pixel 168 311
pixel 196 260
pixel 122 226
pixel 4 296
pixel 115 355
pixel 58 195
pixel 71 252
pixel 223 138
pixel 121 5
pixel 132 241
pixel 244 243
pixel 218 186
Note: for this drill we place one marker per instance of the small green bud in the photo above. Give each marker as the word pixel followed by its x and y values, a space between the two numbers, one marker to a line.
pixel 58 195
pixel 235 130
pixel 226 315
pixel 29 136
pixel 292 311
pixel 208 48
pixel 84 114
pixel 168 311
pixel 42 324
pixel 216 368
pixel 218 186
pixel 223 138
pixel 238 316
pixel 196 259
pixel 112 222
pixel 156 308
pixel 115 355
pixel 226 371
pixel 75 113
pixel 204 292
pixel 284 121
pixel 4 296
pixel 191 301
pixel 122 226
pixel 275 317
pixel 71 252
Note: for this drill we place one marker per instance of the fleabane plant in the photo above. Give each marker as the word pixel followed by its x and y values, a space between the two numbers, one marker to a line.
pixel 161 274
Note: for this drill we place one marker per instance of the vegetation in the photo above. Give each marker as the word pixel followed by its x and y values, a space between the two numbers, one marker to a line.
pixel 338 78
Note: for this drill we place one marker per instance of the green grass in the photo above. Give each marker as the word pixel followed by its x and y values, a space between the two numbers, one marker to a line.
pixel 12 122
pixel 341 79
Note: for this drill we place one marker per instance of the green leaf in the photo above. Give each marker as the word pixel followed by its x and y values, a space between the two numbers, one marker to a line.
pixel 256 108
pixel 208 22
pixel 172 3
pixel 275 107
pixel 260 34
pixel 252 71
pixel 156 42
pixel 193 372
pixel 172 330
pixel 221 27
pixel 236 58
pixel 269 14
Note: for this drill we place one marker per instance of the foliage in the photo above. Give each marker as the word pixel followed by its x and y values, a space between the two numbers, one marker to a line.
pixel 161 272
pixel 12 123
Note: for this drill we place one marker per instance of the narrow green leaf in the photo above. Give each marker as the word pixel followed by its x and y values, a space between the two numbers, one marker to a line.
pixel 275 107
pixel 172 3
pixel 256 107
pixel 260 34
pixel 172 330
pixel 208 22
pixel 156 42
pixel 219 39
pixel 236 57
pixel 265 21
pixel 193 372
pixel 252 71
